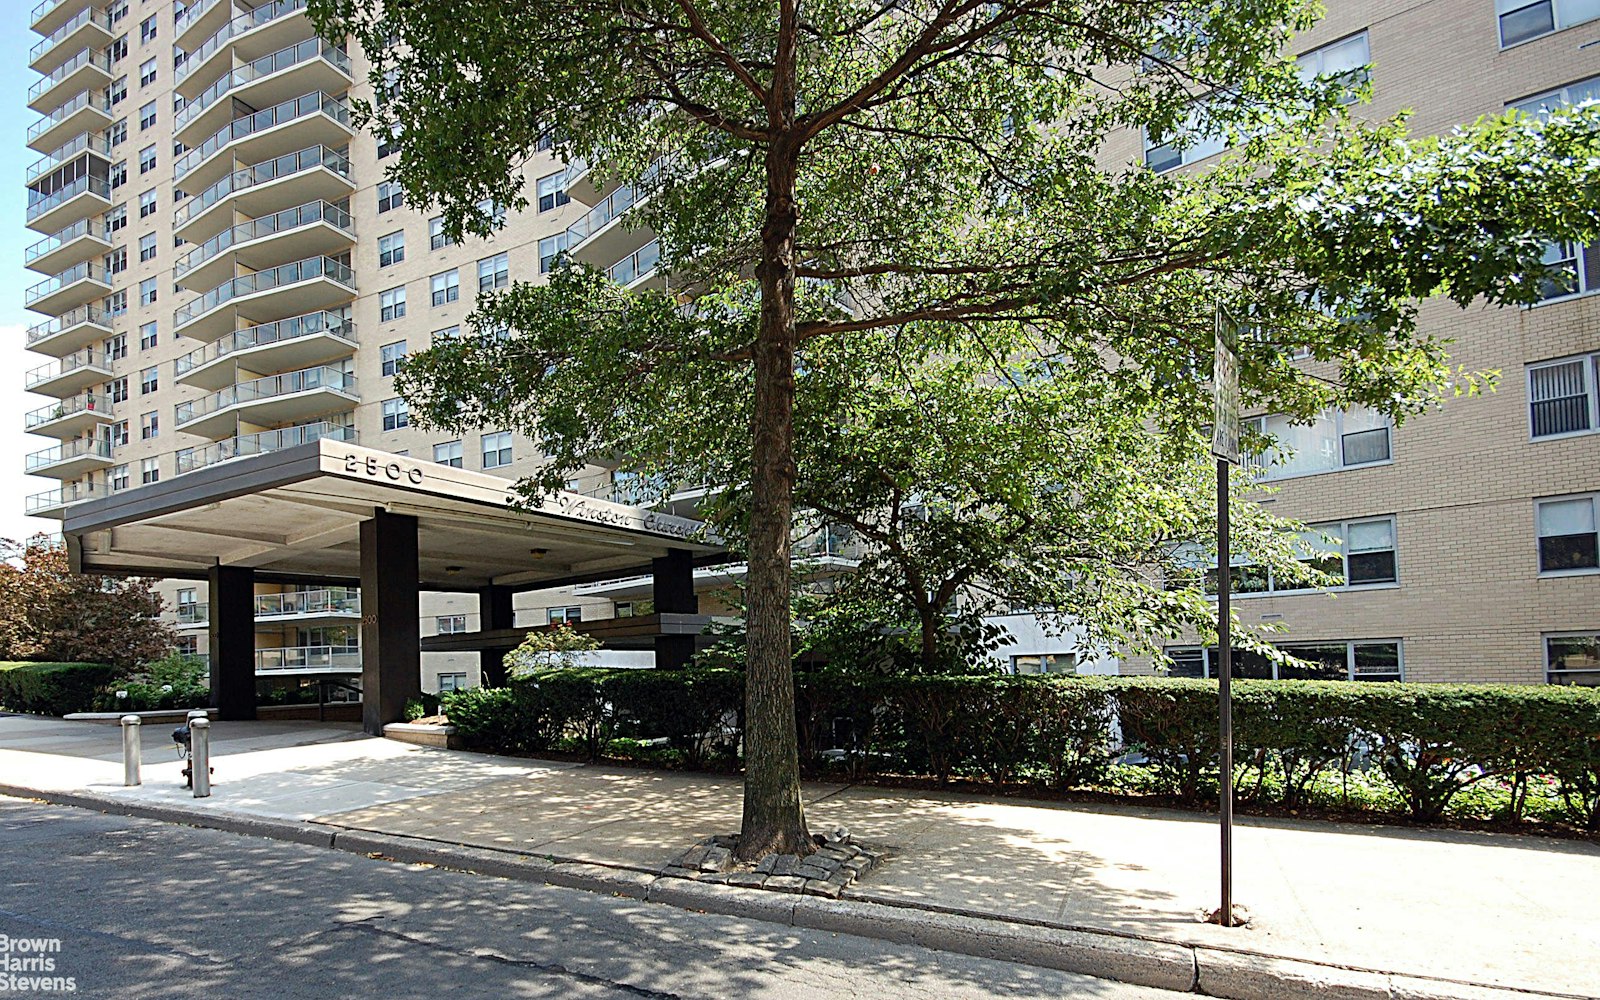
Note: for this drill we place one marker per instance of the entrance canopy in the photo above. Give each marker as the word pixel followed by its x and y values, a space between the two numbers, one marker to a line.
pixel 295 515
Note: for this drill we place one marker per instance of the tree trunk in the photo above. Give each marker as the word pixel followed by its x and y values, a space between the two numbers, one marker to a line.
pixel 774 818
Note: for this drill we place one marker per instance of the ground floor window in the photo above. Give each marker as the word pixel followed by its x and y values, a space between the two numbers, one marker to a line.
pixel 1573 659
pixel 1045 663
pixel 452 682
pixel 558 616
pixel 1360 660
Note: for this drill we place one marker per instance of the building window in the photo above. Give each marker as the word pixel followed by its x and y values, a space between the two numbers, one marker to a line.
pixel 390 196
pixel 448 453
pixel 149 380
pixel 388 140
pixel 450 624
pixel 117 434
pixel 147 72
pixel 497 450
pixel 1563 397
pixel 115 304
pixel 1337 439
pixel 149 425
pixel 452 682
pixel 1540 105
pixel 1567 538
pixel 1572 659
pixel 392 304
pixel 147 159
pixel 116 347
pixel 1190 145
pixel 494 272
pixel 1521 20
pixel 147 205
pixel 147 335
pixel 1045 663
pixel 635 609
pixel 395 414
pixel 1345 60
pixel 391 248
pixel 117 218
pixel 1359 553
pixel 147 116
pixel 119 174
pixel 117 11
pixel 147 29
pixel 116 261
pixel 550 248
pixel 553 191
pixel 447 335
pixel 149 471
pixel 1574 270
pixel 117 134
pixel 390 356
pixel 495 212
pixel 563 616
pixel 117 92
pixel 118 49
pixel 1359 660
pixel 147 292
pixel 445 287
pixel 117 389
pixel 437 238
pixel 119 478
pixel 147 247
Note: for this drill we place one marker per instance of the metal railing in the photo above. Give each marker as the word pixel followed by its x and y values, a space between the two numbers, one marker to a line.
pixel 51 327
pixel 266 333
pixel 88 357
pixel 87 57
pixel 54 200
pixel 262 443
pixel 288 658
pixel 301 107
pixel 73 105
pixel 263 281
pixel 197 613
pixel 68 494
pixel 85 270
pixel 326 600
pixel 264 14
pixel 639 264
pixel 193 13
pixel 89 15
pixel 91 142
pixel 55 241
pixel 289 219
pixel 68 450
pixel 614 205
pixel 259 173
pixel 70 406
pixel 293 55
pixel 43 8
pixel 270 387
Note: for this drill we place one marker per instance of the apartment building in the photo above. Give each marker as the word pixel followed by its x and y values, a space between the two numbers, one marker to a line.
pixel 224 272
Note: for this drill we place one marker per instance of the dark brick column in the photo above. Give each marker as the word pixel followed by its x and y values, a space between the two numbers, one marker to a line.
pixel 494 612
pixel 232 597
pixel 391 632
pixel 672 592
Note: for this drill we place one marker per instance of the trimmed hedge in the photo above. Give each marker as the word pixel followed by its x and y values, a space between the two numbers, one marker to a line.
pixel 52 688
pixel 1422 750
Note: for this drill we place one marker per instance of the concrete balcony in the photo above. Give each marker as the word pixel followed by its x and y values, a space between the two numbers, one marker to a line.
pixel 276 399
pixel 88 28
pixel 640 269
pixel 87 111
pixel 69 332
pixel 261 443
pixel 89 68
pixel 86 142
pixel 81 241
pixel 313 229
pixel 71 417
pixel 52 503
pixel 309 120
pixel 308 660
pixel 298 342
pixel 71 374
pixel 70 459
pixel 83 198
pixel 48 15
pixel 191 616
pixel 331 605
pixel 278 76
pixel 76 286
pixel 317 172
pixel 603 236
pixel 200 20
pixel 268 28
pixel 276 293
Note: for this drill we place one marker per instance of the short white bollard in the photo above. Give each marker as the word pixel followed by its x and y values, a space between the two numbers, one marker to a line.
pixel 200 756
pixel 195 713
pixel 132 754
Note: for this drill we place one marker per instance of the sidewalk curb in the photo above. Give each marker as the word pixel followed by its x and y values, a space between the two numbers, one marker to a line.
pixel 1214 972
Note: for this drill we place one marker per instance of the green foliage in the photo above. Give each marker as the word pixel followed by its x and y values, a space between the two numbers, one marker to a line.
pixel 424 706
pixel 47 612
pixel 52 688
pixel 174 681
pixel 553 648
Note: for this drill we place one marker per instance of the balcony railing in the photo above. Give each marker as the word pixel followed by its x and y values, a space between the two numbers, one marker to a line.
pixel 60 367
pixel 300 107
pixel 78 272
pixel 262 281
pixel 72 405
pixel 262 443
pixel 329 600
pixel 259 173
pixel 193 13
pixel 271 387
pixel 639 264
pixel 300 52
pixel 83 142
pixel 264 14
pixel 298 217
pixel 68 494
pixel 68 450
pixel 264 334
pixel 89 15
pixel 50 244
pixel 285 659
pixel 93 185
pixel 84 99
pixel 198 613
pixel 615 204
pixel 87 57
pixel 49 328
pixel 43 8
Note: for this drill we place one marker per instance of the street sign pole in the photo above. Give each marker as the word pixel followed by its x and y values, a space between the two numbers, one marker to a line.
pixel 1225 446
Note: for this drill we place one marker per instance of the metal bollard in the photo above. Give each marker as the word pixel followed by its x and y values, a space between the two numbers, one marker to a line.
pixel 132 755
pixel 195 713
pixel 200 756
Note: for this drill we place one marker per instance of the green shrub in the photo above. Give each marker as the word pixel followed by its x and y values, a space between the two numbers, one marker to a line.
pixel 176 681
pixel 52 688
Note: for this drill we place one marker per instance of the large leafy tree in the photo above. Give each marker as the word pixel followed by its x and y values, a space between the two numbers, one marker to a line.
pixel 47 612
pixel 936 166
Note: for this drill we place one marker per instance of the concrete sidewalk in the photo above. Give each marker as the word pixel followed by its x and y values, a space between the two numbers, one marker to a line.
pixel 1457 908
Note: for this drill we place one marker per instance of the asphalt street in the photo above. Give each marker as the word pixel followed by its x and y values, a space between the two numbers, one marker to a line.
pixel 143 909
